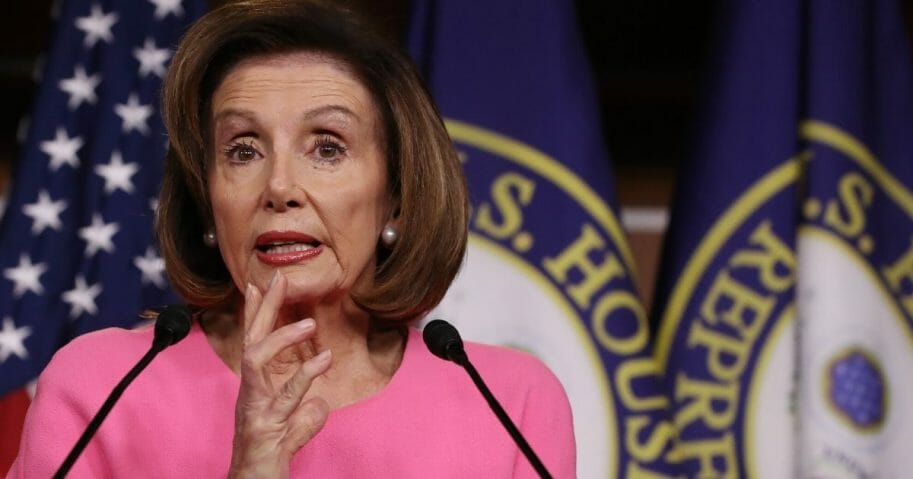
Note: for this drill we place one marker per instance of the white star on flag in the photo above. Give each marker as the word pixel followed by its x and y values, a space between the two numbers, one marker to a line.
pixel 45 213
pixel 12 340
pixel 117 174
pixel 134 114
pixel 152 268
pixel 26 276
pixel 98 235
pixel 80 87
pixel 97 26
pixel 62 149
pixel 151 59
pixel 92 151
pixel 164 7
pixel 82 297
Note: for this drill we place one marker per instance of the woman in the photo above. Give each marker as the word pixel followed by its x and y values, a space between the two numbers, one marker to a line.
pixel 313 207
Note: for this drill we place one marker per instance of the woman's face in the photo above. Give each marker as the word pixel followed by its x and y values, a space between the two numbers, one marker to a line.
pixel 298 177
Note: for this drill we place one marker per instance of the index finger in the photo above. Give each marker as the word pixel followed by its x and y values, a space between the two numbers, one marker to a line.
pixel 261 314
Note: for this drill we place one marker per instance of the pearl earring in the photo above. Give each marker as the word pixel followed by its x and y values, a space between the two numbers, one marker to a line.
pixel 388 236
pixel 209 239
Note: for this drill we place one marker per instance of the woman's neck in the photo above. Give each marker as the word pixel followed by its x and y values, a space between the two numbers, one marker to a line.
pixel 364 357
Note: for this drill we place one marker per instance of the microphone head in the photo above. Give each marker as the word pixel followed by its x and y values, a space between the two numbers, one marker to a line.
pixel 172 325
pixel 442 339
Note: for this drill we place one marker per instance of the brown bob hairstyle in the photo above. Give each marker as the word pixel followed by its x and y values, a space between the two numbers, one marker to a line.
pixel 426 179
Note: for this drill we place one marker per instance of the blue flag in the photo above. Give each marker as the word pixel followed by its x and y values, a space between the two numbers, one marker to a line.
pixel 548 267
pixel 785 295
pixel 76 241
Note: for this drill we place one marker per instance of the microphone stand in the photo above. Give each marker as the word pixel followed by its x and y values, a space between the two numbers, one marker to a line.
pixel 459 357
pixel 102 413
pixel 171 326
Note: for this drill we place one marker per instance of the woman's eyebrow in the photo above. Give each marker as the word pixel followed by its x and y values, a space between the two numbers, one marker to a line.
pixel 330 110
pixel 234 112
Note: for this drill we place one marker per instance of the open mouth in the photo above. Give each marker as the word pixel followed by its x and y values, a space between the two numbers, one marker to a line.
pixel 286 243
pixel 281 247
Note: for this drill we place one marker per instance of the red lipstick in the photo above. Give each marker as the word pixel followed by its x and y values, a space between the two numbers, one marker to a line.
pixel 278 248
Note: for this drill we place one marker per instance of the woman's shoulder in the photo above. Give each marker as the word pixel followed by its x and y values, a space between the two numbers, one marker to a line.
pixel 81 374
pixel 90 357
pixel 516 369
pixel 105 346
pixel 501 367
pixel 115 337
pixel 509 361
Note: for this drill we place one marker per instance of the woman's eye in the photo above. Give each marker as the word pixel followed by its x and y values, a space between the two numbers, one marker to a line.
pixel 329 150
pixel 241 152
pixel 246 153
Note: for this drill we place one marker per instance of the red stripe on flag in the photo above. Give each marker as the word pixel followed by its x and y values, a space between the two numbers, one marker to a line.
pixel 12 415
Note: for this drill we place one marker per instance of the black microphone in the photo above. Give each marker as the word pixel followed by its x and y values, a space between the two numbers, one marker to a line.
pixel 443 340
pixel 171 326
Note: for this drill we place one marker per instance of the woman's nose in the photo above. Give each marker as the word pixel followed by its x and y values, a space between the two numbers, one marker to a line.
pixel 282 190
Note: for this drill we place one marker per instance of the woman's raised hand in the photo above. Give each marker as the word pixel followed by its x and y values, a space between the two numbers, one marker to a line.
pixel 272 418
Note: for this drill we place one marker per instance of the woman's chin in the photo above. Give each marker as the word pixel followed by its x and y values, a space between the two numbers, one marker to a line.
pixel 302 286
pixel 310 292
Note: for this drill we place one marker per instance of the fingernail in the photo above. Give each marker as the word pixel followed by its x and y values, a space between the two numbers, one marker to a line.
pixel 306 324
pixel 248 291
pixel 273 281
pixel 323 357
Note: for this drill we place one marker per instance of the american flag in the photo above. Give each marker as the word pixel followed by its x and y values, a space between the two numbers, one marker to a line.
pixel 76 240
